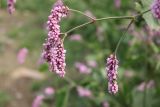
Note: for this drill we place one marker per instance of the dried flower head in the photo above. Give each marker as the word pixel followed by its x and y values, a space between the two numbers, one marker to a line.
pixel 54 52
pixel 111 68
pixel 10 4
pixel 155 7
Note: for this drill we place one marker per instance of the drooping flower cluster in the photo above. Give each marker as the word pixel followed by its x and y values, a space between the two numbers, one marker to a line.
pixel 155 7
pixel 54 52
pixel 10 4
pixel 112 65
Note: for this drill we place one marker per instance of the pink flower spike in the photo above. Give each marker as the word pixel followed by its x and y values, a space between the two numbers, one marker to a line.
pixel 111 68
pixel 38 101
pixel 83 92
pixel 53 48
pixel 82 68
pixel 10 4
pixel 49 91
pixel 155 8
pixel 75 37
pixel 22 54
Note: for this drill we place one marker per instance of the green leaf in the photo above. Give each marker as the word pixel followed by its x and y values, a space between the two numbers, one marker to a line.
pixel 139 99
pixel 150 20
pixel 62 98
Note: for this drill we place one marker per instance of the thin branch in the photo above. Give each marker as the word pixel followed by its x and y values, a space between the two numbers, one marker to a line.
pixel 123 36
pixel 100 19
pixel 118 17
pixel 106 18
pixel 77 11
pixel 140 14
pixel 79 26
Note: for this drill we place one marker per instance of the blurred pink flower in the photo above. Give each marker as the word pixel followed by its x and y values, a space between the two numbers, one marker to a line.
pixel 83 92
pixel 105 104
pixel 89 13
pixel 11 6
pixel 40 61
pixel 129 74
pixel 151 84
pixel 100 33
pixel 117 3
pixel 21 56
pixel 75 37
pixel 148 85
pixel 141 87
pixel 82 68
pixel 38 101
pixel 92 63
pixel 49 91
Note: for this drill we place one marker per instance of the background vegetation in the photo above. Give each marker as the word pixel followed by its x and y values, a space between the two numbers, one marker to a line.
pixel 138 55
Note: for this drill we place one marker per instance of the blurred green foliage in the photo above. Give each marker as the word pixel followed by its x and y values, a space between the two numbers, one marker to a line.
pixel 4 98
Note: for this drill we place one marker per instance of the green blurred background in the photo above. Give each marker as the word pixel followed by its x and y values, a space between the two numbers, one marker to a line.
pixel 138 56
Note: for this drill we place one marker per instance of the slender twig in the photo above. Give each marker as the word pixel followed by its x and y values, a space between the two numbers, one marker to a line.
pixel 65 100
pixel 77 11
pixel 79 26
pixel 118 17
pixel 140 14
pixel 106 18
pixel 65 35
pixel 123 36
pixel 70 81
pixel 100 19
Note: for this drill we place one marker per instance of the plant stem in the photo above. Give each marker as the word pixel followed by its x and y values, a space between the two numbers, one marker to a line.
pixel 118 17
pixel 100 19
pixel 106 18
pixel 79 26
pixel 70 81
pixel 77 11
pixel 142 13
pixel 123 36
pixel 144 94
